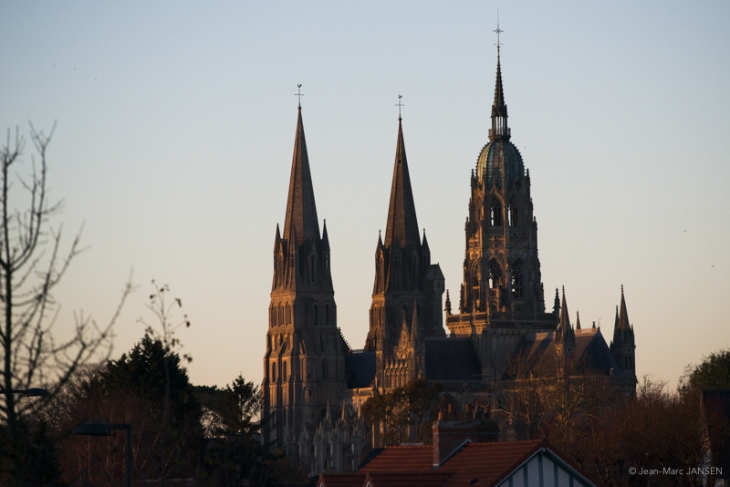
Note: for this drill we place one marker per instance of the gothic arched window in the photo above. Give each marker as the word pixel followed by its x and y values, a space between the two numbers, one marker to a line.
pixel 516 279
pixel 495 274
pixel 316 313
pixel 495 213
pixel 273 371
pixel 513 213
pixel 284 371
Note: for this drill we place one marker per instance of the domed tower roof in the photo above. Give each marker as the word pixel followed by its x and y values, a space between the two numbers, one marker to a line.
pixel 500 162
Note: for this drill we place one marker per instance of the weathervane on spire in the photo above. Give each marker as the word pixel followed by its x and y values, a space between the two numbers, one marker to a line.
pixel 299 94
pixel 399 105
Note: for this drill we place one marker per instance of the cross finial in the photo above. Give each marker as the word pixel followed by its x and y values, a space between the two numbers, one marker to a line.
pixel 498 31
pixel 399 105
pixel 299 94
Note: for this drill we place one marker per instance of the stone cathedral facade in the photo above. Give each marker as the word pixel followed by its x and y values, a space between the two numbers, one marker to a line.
pixel 314 383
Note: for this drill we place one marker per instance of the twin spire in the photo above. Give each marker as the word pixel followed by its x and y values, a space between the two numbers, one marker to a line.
pixel 301 211
pixel 402 226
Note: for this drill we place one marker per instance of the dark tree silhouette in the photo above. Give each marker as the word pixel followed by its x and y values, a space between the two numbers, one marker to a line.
pixel 32 264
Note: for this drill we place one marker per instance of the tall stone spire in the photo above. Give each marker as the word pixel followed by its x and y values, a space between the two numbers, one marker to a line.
pixel 623 345
pixel 402 226
pixel 301 211
pixel 622 323
pixel 565 332
pixel 302 319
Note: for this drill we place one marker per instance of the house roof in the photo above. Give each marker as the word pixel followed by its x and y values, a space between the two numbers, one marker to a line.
pixel 401 458
pixel 341 480
pixel 451 359
pixel 478 464
pixel 486 464
pixel 408 479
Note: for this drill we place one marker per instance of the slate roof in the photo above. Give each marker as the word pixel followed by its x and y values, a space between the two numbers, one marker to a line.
pixel 591 355
pixel 451 359
pixel 359 369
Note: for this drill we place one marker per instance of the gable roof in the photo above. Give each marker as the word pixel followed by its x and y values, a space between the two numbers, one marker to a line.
pixel 401 458
pixel 407 479
pixel 486 464
pixel 341 480
pixel 478 464
pixel 591 355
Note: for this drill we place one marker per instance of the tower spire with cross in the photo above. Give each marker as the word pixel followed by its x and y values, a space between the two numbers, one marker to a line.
pixel 299 94
pixel 399 105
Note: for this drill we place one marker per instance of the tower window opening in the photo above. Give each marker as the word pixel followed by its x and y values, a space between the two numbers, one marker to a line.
pixel 327 314
pixel 316 313
pixel 495 213
pixel 273 372
pixel 495 273
pixel 284 371
pixel 311 269
pixel 512 214
pixel 516 280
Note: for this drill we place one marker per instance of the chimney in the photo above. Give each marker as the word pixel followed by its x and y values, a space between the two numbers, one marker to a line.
pixel 450 436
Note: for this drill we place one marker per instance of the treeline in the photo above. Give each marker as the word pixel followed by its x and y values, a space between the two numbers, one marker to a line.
pixel 179 431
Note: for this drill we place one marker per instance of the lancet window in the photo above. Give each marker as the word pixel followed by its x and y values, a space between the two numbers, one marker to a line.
pixel 495 212
pixel 495 274
pixel 516 279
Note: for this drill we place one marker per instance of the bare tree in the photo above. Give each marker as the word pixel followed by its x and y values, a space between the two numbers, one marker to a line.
pixel 31 266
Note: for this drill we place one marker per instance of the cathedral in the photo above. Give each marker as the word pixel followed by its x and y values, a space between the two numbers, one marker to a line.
pixel 314 383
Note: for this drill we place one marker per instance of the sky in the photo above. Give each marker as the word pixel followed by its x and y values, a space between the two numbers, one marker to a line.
pixel 175 131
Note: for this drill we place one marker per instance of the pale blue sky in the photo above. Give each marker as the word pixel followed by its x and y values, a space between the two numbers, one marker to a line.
pixel 176 127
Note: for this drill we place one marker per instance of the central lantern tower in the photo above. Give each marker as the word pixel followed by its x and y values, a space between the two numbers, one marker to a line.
pixel 501 297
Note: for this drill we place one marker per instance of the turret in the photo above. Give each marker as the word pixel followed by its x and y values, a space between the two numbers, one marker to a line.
pixel 623 347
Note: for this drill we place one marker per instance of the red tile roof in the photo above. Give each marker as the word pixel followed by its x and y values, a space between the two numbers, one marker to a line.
pixel 474 460
pixel 486 464
pixel 401 458
pixel 407 479
pixel 341 480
